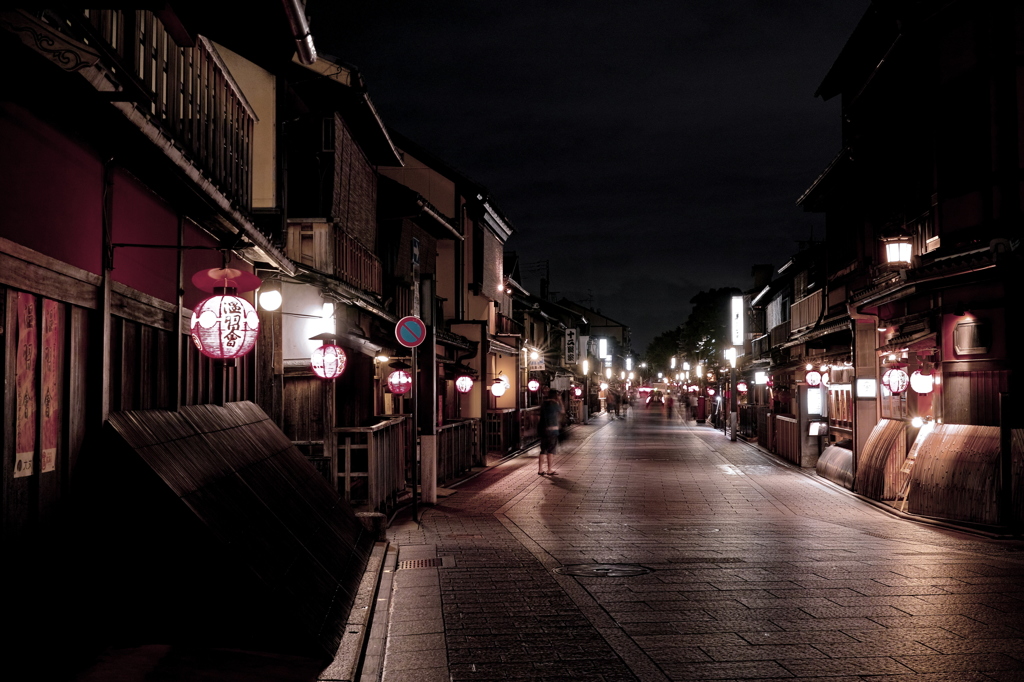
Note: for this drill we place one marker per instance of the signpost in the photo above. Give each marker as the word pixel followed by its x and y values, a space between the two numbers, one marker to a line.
pixel 410 332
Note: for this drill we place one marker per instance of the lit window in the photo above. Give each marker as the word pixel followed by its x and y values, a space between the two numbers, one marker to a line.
pixel 897 252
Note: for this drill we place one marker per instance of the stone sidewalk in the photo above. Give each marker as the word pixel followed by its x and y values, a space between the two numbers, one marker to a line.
pixel 757 572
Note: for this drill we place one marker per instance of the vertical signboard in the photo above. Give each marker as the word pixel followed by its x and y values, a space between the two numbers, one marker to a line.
pixel 571 345
pixel 51 366
pixel 737 321
pixel 25 387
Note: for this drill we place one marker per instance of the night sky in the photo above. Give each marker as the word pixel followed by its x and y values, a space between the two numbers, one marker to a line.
pixel 647 150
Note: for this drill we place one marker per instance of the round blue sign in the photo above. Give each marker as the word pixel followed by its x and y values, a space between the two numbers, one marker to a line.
pixel 410 331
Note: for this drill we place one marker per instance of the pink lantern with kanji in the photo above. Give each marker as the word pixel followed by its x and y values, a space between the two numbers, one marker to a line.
pixel 533 385
pixel 813 378
pixel 578 391
pixel 399 382
pixel 225 326
pixel 328 361
pixel 464 384
pixel 741 387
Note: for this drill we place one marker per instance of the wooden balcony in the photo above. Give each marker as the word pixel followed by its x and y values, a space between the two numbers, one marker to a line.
pixel 355 264
pixel 806 311
pixel 186 91
pixel 779 334
pixel 761 346
pixel 333 251
pixel 506 326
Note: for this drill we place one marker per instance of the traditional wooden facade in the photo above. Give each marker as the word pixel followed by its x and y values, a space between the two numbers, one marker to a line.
pixel 923 214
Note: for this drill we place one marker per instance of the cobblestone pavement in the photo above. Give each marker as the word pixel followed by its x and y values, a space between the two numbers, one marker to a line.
pixel 759 572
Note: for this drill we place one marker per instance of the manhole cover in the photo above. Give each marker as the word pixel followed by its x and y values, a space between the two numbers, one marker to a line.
pixel 603 570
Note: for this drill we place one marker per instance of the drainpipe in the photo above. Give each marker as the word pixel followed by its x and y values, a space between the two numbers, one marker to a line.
pixel 296 14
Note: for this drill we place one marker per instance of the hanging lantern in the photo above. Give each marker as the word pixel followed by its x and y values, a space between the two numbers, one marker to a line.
pixel 813 378
pixel 825 379
pixel 711 391
pixel 896 380
pixel 498 388
pixel 922 383
pixel 741 387
pixel 399 382
pixel 225 326
pixel 533 385
pixel 578 391
pixel 464 384
pixel 328 361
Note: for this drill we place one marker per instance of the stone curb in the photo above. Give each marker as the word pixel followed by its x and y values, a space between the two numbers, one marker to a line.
pixel 347 660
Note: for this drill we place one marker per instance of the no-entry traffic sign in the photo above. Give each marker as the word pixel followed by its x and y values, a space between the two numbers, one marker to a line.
pixel 410 331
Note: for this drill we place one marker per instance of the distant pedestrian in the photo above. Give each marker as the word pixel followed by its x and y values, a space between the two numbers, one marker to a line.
pixel 551 412
pixel 613 403
pixel 669 404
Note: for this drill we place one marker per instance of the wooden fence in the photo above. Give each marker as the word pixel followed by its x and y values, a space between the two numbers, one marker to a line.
pixel 502 432
pixel 458 448
pixel 529 419
pixel 372 463
pixel 787 438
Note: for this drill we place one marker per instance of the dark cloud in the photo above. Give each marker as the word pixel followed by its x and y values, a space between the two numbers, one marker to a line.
pixel 648 150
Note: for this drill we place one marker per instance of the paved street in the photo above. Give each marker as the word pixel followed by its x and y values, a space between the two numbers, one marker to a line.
pixel 758 571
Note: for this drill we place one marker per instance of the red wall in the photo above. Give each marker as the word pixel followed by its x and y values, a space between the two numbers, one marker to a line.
pixel 140 217
pixel 52 191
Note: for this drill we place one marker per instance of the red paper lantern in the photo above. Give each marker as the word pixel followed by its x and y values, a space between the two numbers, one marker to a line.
pixel 578 391
pixel 741 387
pixel 533 385
pixel 813 378
pixel 224 327
pixel 711 391
pixel 399 382
pixel 464 384
pixel 328 361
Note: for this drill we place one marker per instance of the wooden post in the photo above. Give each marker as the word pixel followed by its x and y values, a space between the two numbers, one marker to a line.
pixel 1005 513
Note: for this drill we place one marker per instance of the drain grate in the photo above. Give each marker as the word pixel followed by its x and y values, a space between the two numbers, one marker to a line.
pixel 689 529
pixel 604 570
pixel 420 563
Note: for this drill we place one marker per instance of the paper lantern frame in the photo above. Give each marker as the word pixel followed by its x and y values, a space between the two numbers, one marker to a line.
pixel 464 384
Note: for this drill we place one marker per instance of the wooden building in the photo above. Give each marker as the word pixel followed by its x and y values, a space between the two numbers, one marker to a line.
pixel 923 215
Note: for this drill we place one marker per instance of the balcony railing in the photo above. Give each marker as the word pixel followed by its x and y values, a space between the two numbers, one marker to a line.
pixel 372 463
pixel 506 325
pixel 806 311
pixel 355 264
pixel 761 346
pixel 188 92
pixel 458 449
pixel 779 334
